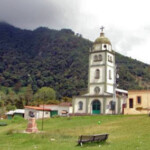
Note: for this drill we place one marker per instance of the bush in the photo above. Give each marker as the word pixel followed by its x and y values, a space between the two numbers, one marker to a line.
pixel 17 119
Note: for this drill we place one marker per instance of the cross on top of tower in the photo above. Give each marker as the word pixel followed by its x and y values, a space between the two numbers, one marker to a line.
pixel 102 28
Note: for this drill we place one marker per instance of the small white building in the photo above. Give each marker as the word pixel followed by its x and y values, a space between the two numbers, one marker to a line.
pixel 17 112
pixel 37 112
pixel 103 97
pixel 62 109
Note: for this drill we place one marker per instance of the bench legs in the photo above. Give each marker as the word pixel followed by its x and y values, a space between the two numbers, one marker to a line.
pixel 81 144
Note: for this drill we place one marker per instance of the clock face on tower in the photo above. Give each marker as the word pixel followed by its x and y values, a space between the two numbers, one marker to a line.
pixel 97 90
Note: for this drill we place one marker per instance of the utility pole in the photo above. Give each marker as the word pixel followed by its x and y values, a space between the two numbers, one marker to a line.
pixel 114 90
pixel 43 112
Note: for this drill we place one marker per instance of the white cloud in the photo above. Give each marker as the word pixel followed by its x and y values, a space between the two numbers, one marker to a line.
pixel 126 22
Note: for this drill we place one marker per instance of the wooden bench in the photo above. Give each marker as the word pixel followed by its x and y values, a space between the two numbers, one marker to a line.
pixel 92 138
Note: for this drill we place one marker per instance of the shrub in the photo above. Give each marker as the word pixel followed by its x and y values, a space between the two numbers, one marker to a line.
pixel 17 119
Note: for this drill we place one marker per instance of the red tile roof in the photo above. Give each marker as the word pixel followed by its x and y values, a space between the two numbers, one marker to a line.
pixel 65 104
pixel 37 108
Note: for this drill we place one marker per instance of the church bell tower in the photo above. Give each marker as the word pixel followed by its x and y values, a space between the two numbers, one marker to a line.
pixel 101 67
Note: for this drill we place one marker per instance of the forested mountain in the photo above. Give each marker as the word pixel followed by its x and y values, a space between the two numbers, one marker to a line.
pixel 58 59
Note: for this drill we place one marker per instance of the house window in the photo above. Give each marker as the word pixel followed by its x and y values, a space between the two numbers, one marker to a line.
pixel 97 74
pixel 110 77
pixel 46 112
pixel 139 99
pixel 95 58
pixel 131 103
pixel 80 105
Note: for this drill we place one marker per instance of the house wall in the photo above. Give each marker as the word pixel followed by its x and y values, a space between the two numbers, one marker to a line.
pixel 38 114
pixel 58 108
pixel 145 102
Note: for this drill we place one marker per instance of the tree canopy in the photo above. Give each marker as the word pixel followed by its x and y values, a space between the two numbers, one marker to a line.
pixel 56 59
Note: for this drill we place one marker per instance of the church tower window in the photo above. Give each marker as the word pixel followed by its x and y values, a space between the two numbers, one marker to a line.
pixel 105 46
pixel 97 74
pixel 95 58
pixel 80 105
pixel 100 57
pixel 110 58
pixel 110 77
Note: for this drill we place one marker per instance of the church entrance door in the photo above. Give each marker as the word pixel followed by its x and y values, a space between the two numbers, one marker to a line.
pixel 96 105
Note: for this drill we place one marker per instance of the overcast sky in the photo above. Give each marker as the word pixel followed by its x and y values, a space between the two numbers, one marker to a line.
pixel 126 22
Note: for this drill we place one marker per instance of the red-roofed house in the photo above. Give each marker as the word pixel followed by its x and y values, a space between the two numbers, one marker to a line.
pixel 37 112
pixel 61 109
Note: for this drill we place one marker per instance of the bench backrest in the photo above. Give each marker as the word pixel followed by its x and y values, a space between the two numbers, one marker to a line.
pixel 86 137
pixel 100 137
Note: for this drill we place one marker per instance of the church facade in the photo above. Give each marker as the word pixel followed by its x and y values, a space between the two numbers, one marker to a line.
pixel 103 97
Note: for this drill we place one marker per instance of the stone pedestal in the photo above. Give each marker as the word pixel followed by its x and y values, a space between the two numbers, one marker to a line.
pixel 32 127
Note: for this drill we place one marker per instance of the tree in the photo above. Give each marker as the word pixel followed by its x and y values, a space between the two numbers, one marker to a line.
pixel 11 98
pixel 66 99
pixel 2 103
pixel 45 93
pixel 17 86
pixel 29 94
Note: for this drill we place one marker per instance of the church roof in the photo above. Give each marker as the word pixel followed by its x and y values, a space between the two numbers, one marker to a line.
pixel 102 39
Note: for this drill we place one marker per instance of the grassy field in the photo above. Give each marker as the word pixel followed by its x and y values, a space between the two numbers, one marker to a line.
pixel 126 133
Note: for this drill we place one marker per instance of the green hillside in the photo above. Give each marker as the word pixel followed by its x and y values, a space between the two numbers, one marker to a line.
pixel 58 59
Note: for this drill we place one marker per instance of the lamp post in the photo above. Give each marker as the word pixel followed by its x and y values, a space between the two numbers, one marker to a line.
pixel 114 92
pixel 116 76
pixel 43 112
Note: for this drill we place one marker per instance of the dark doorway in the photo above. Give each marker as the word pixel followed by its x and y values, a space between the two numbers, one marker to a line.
pixel 130 103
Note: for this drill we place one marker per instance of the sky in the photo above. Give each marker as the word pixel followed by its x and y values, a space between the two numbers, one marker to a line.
pixel 126 22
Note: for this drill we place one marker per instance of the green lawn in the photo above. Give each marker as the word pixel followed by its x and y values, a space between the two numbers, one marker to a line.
pixel 126 133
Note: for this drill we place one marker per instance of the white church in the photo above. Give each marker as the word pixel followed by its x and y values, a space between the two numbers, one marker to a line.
pixel 103 97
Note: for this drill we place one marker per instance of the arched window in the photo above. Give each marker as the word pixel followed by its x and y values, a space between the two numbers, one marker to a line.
pixel 80 105
pixel 110 77
pixel 100 57
pixel 95 58
pixel 112 105
pixel 110 58
pixel 97 74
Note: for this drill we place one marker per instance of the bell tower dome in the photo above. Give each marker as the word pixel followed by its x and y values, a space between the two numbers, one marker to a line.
pixel 102 42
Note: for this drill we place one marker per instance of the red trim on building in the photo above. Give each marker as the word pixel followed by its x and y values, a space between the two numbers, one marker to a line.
pixel 37 108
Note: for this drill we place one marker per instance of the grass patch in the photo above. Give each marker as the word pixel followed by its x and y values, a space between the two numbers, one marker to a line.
pixel 125 133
